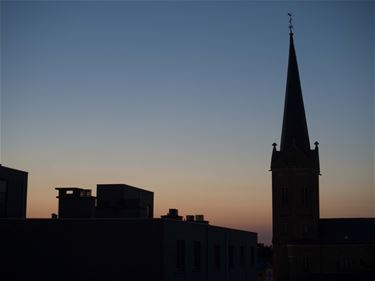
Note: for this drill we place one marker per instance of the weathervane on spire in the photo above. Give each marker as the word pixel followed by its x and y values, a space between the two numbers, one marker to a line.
pixel 290 24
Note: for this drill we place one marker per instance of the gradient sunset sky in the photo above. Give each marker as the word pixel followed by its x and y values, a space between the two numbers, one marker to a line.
pixel 185 98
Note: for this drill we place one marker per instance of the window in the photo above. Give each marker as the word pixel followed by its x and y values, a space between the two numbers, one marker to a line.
pixel 85 193
pixel 284 196
pixel 305 263
pixel 305 196
pixel 242 256
pixel 284 227
pixel 305 228
pixel 3 198
pixel 252 256
pixel 3 186
pixel 180 255
pixel 217 257
pixel 148 211
pixel 231 256
pixel 346 264
pixel 197 248
pixel 130 203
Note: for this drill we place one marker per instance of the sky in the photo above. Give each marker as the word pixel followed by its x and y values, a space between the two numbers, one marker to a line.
pixel 185 98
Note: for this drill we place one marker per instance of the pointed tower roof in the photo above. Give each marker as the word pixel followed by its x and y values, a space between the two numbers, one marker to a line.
pixel 294 131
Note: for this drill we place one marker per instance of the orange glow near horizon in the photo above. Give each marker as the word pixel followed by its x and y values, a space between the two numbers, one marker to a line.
pixel 185 98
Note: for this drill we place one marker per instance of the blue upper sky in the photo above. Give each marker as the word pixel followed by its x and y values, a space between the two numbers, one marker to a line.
pixel 185 98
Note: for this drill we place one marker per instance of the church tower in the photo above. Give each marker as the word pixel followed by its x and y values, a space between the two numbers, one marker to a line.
pixel 295 176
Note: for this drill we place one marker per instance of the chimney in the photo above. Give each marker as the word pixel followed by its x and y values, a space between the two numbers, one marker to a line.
pixel 172 214
pixel 190 218
pixel 199 218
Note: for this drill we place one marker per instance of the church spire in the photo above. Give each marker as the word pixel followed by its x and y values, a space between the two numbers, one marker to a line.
pixel 294 131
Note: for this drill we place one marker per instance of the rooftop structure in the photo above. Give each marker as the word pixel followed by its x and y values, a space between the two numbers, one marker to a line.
pixel 13 193
pixel 75 202
pixel 124 201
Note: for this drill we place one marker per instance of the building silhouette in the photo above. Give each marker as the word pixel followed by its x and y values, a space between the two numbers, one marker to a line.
pixel 305 246
pixel 13 193
pixel 74 202
pixel 114 237
pixel 112 201
pixel 123 201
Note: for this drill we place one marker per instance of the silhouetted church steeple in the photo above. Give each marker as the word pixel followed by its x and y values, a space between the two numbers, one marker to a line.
pixel 295 176
pixel 294 130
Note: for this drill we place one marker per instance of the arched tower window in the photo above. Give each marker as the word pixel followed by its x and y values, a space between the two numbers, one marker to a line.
pixel 305 198
pixel 284 195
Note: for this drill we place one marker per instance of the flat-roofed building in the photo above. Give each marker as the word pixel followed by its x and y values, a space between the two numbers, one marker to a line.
pixel 75 202
pixel 125 249
pixel 13 193
pixel 123 201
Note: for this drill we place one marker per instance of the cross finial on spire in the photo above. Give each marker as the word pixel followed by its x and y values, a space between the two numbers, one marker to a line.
pixel 290 24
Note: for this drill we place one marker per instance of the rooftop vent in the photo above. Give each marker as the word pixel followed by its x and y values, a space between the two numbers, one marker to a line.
pixel 200 219
pixel 190 218
pixel 172 214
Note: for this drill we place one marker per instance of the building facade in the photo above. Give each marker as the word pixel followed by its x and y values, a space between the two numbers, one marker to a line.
pixel 112 201
pixel 74 202
pixel 124 249
pixel 122 242
pixel 13 193
pixel 123 201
